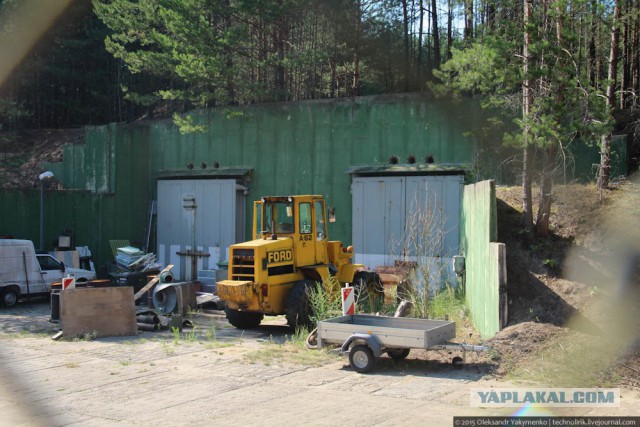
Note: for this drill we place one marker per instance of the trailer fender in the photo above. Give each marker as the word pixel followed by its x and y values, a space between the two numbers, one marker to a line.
pixel 369 340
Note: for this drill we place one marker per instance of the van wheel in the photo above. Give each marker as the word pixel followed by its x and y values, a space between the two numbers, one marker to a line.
pixel 9 297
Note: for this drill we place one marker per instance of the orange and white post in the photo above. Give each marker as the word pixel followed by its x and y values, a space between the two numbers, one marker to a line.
pixel 348 301
pixel 68 283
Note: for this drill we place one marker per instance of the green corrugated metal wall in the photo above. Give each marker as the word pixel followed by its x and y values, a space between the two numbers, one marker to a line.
pixel 306 147
pixel 105 197
pixel 302 147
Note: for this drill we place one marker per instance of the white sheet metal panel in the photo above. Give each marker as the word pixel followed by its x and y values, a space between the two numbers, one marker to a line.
pixel 436 201
pixel 378 212
pixel 215 222
pixel 386 208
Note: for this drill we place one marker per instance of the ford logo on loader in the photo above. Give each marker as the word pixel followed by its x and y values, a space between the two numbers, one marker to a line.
pixel 283 255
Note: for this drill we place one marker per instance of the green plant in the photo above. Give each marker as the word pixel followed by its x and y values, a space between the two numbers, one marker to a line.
pixel 176 335
pixel 211 333
pixel 448 303
pixel 87 336
pixel 291 351
pixel 190 336
pixel 325 300
pixel 168 349
pixel 551 263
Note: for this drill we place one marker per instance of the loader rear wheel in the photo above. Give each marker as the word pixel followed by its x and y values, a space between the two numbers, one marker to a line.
pixel 369 291
pixel 361 358
pixel 243 319
pixel 298 306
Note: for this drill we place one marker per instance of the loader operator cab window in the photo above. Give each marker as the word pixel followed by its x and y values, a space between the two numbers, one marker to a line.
pixel 280 216
pixel 305 218
pixel 321 231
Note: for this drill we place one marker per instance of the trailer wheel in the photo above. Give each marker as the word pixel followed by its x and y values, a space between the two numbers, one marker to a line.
pixel 298 309
pixel 457 361
pixel 398 353
pixel 361 359
pixel 9 297
pixel 243 319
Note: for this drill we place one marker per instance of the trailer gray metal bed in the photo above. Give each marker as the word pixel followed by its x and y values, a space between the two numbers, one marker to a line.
pixel 366 337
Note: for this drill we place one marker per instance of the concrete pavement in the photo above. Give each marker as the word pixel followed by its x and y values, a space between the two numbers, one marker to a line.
pixel 209 378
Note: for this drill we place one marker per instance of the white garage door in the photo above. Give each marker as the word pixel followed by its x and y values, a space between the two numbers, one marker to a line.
pixel 219 222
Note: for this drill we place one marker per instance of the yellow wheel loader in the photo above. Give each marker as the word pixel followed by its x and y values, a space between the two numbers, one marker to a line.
pixel 290 253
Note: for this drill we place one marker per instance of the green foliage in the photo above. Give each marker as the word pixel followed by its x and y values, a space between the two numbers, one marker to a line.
pixel 185 124
pixel 477 69
pixel 325 300
pixel 448 303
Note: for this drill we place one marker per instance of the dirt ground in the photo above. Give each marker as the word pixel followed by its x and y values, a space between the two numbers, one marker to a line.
pixel 24 151
pixel 567 295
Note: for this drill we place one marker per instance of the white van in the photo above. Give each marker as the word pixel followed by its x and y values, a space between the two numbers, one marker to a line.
pixel 22 271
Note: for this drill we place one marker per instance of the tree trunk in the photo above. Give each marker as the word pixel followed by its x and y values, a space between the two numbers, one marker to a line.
pixel 449 29
pixel 546 179
pixel 468 21
pixel 491 15
pixel 592 52
pixel 355 87
pixel 527 101
pixel 635 48
pixel 419 66
pixel 605 149
pixel 405 17
pixel 546 191
pixel 231 90
pixel 436 34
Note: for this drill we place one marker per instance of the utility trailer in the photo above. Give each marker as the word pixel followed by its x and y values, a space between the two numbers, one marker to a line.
pixel 366 337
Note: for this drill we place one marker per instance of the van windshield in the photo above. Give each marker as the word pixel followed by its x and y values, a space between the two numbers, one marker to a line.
pixel 48 263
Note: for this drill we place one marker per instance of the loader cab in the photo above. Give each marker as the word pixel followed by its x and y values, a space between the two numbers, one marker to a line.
pixel 301 218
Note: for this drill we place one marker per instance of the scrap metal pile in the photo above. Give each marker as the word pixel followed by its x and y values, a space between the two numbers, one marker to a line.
pixel 133 259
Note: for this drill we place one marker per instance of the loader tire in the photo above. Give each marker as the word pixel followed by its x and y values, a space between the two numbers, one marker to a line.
pixel 298 305
pixel 243 319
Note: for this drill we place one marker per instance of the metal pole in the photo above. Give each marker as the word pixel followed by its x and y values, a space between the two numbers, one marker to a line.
pixel 26 275
pixel 41 214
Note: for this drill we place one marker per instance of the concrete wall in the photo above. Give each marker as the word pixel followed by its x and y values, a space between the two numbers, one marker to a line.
pixel 485 259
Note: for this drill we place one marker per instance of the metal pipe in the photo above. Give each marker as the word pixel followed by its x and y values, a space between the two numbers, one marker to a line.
pixel 26 276
pixel 43 177
pixel 41 215
pixel 463 347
